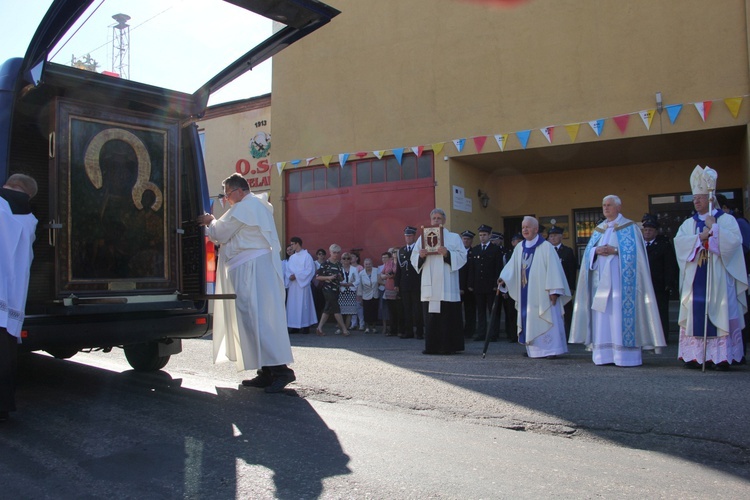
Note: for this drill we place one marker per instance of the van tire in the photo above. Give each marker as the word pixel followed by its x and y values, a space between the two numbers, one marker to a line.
pixel 145 357
pixel 62 352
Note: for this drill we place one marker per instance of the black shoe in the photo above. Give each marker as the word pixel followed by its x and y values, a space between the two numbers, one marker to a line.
pixel 420 337
pixel 494 339
pixel 280 382
pixel 4 416
pixel 262 380
pixel 692 365
pixel 404 336
pixel 478 338
pixel 722 367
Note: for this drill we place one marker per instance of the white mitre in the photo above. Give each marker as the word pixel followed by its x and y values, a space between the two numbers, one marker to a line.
pixel 703 180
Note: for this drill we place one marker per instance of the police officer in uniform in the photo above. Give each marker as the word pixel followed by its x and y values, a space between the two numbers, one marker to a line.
pixel 408 282
pixel 663 264
pixel 569 265
pixel 467 297
pixel 484 268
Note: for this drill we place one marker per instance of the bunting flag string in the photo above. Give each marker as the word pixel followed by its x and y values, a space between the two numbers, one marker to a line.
pixel 501 139
pixel 398 153
pixel 523 137
pixel 647 115
pixel 673 110
pixel 342 159
pixel 622 122
pixel 733 103
pixel 548 133
pixel 597 126
pixel 479 142
pixel 703 108
pixel 572 129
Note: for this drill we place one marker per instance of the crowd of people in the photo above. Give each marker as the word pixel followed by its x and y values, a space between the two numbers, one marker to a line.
pixel 441 288
pixel 614 300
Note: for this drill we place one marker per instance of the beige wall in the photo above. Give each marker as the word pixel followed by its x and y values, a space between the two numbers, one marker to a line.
pixel 229 130
pixel 391 73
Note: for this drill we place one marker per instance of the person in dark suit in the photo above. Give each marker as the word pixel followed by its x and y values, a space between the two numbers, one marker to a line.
pixel 484 268
pixel 505 302
pixel 569 265
pixel 467 298
pixel 663 264
pixel 408 284
pixel 509 305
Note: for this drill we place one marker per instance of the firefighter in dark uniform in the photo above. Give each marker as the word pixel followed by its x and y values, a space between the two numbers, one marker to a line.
pixel 484 268
pixel 467 297
pixel 569 265
pixel 505 303
pixel 663 265
pixel 409 287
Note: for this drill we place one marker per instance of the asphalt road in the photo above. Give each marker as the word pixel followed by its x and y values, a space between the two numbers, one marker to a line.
pixel 371 417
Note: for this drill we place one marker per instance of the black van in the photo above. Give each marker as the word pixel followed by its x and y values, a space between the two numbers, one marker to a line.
pixel 118 258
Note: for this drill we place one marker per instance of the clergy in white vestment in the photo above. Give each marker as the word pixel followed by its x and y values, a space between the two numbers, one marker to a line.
pixel 712 271
pixel 250 330
pixel 535 280
pixel 615 312
pixel 17 235
pixel 440 293
pixel 300 271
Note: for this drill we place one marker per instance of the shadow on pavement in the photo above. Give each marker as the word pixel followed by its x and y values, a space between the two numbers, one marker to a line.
pixel 659 406
pixel 92 433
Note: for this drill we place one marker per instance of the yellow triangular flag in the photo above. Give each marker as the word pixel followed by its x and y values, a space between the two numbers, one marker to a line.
pixel 572 129
pixel 326 159
pixel 438 147
pixel 647 115
pixel 733 103
pixel 379 153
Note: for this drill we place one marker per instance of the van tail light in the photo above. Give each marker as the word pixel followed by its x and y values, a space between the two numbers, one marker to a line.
pixel 210 263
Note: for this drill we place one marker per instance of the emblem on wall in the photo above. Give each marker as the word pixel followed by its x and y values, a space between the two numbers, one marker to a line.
pixel 260 145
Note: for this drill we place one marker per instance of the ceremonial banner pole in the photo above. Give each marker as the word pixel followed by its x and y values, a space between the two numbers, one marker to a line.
pixel 711 183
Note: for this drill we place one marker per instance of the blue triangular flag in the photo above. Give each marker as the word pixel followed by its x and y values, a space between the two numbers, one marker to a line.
pixel 342 159
pixel 597 126
pixel 398 153
pixel 523 137
pixel 295 163
pixel 673 110
pixel 459 143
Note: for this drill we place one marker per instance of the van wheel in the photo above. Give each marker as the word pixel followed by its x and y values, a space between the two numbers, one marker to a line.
pixel 145 357
pixel 62 352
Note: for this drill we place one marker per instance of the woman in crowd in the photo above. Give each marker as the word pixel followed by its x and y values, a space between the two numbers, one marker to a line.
pixel 390 295
pixel 330 274
pixel 348 289
pixel 367 295
pixel 358 320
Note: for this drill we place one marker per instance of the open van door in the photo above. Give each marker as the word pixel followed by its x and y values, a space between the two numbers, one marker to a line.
pixel 119 260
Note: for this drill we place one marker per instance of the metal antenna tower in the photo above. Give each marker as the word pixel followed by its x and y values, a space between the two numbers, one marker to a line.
pixel 121 46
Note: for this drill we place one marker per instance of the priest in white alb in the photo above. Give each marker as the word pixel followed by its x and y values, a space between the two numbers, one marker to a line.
pixel 251 329
pixel 615 312
pixel 713 280
pixel 535 280
pixel 440 292
pixel 300 271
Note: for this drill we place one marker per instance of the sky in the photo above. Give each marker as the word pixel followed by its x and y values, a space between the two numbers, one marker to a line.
pixel 199 54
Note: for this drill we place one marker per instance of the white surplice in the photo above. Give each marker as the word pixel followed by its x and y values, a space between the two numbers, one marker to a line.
pixel 17 235
pixel 250 330
pixel 300 308
pixel 545 328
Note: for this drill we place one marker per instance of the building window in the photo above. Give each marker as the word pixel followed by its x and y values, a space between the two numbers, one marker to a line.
pixel 370 171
